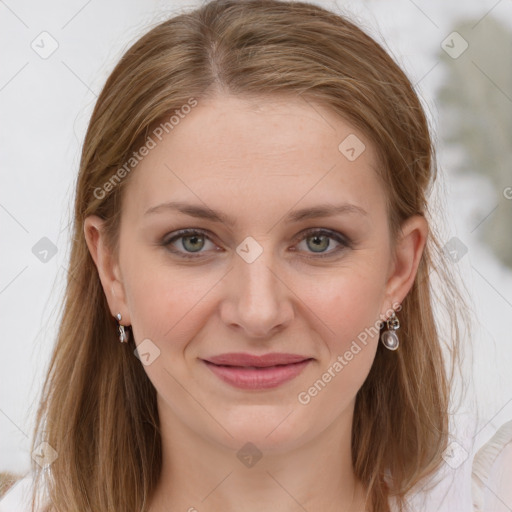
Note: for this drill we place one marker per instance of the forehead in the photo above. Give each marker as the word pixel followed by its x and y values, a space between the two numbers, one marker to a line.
pixel 229 151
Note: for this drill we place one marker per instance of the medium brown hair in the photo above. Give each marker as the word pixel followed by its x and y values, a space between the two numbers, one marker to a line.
pixel 98 407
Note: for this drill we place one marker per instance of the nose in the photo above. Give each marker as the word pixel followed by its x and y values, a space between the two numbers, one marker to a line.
pixel 258 303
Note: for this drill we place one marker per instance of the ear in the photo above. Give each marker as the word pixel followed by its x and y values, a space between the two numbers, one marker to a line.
pixel 409 247
pixel 108 267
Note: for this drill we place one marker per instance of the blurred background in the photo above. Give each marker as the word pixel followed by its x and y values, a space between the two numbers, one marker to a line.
pixel 57 56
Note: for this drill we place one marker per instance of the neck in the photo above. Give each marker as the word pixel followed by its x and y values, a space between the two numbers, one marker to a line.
pixel 199 475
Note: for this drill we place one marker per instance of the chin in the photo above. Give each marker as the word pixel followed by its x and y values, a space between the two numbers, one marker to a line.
pixel 274 429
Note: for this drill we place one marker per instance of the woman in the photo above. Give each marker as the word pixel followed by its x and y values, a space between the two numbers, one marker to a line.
pixel 251 226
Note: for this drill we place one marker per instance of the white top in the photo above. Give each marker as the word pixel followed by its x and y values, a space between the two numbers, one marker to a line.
pixel 482 483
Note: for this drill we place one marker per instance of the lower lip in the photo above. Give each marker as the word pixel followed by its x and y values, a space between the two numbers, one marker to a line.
pixel 257 378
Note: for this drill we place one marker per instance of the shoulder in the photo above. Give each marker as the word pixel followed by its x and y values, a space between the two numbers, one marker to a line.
pixel 475 475
pixel 492 467
pixel 16 493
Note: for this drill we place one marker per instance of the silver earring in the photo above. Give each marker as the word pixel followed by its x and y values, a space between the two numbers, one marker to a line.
pixel 123 333
pixel 389 337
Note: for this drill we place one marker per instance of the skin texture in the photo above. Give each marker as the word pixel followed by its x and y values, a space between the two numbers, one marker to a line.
pixel 256 161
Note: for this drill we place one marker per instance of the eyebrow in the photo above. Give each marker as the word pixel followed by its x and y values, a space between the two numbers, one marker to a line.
pixel 202 212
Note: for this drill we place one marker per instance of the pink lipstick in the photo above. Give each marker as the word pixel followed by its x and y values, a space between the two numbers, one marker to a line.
pixel 247 371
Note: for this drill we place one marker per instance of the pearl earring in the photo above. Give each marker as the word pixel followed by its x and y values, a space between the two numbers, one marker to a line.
pixel 123 333
pixel 389 337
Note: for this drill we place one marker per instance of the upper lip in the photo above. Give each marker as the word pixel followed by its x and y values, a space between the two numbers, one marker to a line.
pixel 243 359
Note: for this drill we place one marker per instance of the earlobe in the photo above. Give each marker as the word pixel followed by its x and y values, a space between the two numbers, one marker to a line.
pixel 409 248
pixel 106 265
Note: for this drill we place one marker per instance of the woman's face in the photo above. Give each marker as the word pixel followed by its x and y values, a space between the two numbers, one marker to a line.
pixel 301 263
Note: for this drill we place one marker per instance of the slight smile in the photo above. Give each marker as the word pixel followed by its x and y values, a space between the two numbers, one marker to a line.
pixel 247 371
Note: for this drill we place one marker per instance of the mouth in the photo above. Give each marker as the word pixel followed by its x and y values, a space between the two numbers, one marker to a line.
pixel 261 374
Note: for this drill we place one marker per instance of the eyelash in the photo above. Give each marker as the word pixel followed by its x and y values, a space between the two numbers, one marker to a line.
pixel 338 237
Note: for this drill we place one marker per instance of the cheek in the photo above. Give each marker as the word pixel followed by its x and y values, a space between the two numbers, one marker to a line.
pixel 347 304
pixel 164 300
pixel 349 344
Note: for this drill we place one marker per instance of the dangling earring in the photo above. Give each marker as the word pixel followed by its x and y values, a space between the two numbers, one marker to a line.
pixel 123 333
pixel 389 337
